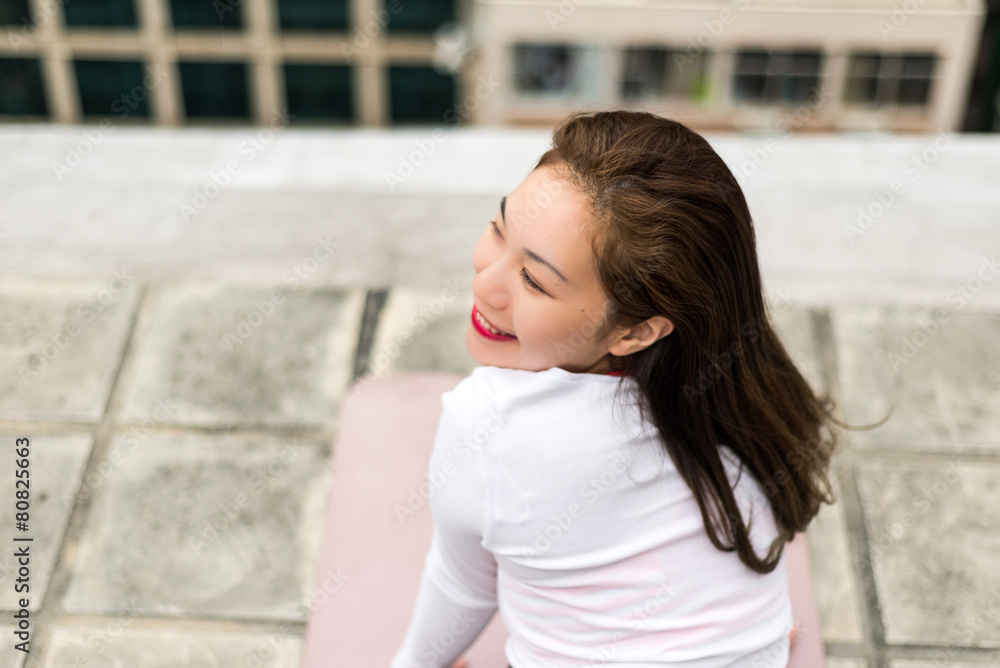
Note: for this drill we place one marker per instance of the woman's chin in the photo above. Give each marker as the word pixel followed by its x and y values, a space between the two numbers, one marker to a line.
pixel 474 345
pixel 485 352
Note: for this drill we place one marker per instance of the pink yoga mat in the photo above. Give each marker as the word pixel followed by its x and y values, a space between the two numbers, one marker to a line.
pixel 371 562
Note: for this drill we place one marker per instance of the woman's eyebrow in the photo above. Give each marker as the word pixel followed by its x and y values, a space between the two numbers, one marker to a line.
pixel 530 253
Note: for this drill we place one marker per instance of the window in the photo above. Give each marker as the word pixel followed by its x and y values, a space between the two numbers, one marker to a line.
pixel 112 88
pixel 21 90
pixel 547 68
pixel 15 12
pixel 319 91
pixel 214 90
pixel 205 14
pixel 421 94
pixel 312 14
pixel 659 72
pixel 417 15
pixel 769 77
pixel 880 79
pixel 99 13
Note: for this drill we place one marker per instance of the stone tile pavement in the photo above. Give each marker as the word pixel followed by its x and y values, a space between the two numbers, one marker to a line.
pixel 181 384
pixel 181 474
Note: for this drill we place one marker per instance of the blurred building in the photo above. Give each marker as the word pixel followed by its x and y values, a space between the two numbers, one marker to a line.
pixel 902 65
pixel 808 64
pixel 175 62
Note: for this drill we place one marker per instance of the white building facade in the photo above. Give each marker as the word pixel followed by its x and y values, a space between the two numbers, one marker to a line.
pixel 823 65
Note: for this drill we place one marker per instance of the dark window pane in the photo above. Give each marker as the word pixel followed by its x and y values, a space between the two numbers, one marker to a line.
pixel 544 67
pixel 112 87
pixel 420 94
pixel 658 71
pixel 21 90
pixel 206 13
pixel 751 62
pixel 862 85
pixel 863 65
pixel 214 90
pixel 804 85
pixel 914 91
pixel 774 89
pixel 806 62
pixel 313 14
pixel 798 89
pixel 777 76
pixel 99 13
pixel 891 67
pixel 749 87
pixel 918 66
pixel 643 72
pixel 418 15
pixel 15 12
pixel 319 91
pixel 861 89
pixel 888 89
pixel 749 77
pixel 890 78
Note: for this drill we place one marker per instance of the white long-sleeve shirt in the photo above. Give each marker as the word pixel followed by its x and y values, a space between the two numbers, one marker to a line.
pixel 556 505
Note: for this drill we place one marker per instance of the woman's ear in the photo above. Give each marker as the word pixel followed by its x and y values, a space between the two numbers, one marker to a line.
pixel 642 336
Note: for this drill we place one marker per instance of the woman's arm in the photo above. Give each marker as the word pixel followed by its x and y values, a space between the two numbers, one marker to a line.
pixel 457 595
pixel 450 611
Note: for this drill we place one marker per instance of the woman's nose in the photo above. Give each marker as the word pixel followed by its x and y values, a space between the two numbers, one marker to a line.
pixel 489 289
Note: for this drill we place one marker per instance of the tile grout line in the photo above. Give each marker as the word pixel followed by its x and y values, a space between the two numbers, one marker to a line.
pixel 822 345
pixel 375 301
pixel 845 459
pixel 186 622
pixel 845 649
pixel 822 335
pixel 50 610
pixel 262 430
pixel 873 626
pixel 925 456
pixel 926 653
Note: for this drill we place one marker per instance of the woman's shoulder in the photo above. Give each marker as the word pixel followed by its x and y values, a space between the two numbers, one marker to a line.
pixel 481 394
pixel 509 385
pixel 517 377
pixel 495 387
pixel 486 384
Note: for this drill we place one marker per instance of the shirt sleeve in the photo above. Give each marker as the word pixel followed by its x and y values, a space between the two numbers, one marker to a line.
pixel 457 594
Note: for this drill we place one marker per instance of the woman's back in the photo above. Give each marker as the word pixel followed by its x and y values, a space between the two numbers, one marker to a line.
pixel 601 555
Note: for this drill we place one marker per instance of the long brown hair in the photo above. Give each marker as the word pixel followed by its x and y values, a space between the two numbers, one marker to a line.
pixel 672 235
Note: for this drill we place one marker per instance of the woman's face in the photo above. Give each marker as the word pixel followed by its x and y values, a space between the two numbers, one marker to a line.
pixel 538 236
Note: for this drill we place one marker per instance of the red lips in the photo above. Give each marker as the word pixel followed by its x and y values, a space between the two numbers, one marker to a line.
pixel 485 332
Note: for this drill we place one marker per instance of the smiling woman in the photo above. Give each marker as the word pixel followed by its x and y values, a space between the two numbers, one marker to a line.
pixel 627 251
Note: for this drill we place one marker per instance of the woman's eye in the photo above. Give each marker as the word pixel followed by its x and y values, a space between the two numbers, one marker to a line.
pixel 524 274
pixel 531 284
